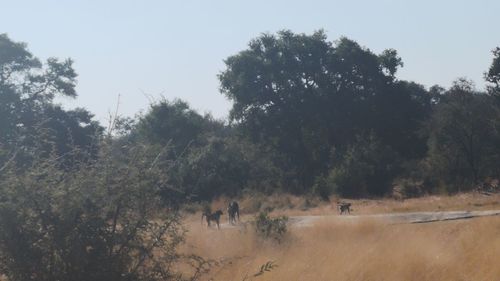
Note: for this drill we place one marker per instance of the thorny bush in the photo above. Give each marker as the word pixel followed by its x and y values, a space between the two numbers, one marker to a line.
pixel 99 221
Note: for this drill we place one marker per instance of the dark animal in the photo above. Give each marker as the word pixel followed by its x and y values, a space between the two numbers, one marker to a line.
pixel 344 208
pixel 212 217
pixel 233 211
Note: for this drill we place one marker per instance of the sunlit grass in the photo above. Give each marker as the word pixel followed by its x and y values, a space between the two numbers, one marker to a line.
pixel 358 250
pixel 339 249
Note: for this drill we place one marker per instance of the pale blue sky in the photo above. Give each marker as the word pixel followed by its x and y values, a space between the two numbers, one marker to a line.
pixel 176 48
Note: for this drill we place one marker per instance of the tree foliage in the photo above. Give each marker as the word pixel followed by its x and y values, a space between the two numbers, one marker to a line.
pixel 366 167
pixel 493 73
pixel 100 222
pixel 464 141
pixel 304 95
pixel 223 166
pixel 173 123
pixel 29 119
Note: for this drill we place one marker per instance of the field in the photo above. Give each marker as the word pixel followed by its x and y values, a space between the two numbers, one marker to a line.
pixel 363 249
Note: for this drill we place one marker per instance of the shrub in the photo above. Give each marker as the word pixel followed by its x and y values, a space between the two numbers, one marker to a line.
pixel 322 188
pixel 271 228
pixel 367 168
pixel 409 187
pixel 98 222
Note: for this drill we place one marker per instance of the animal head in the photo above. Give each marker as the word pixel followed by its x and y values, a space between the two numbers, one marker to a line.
pixel 233 205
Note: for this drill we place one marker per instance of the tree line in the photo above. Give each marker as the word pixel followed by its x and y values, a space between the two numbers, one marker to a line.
pixel 308 116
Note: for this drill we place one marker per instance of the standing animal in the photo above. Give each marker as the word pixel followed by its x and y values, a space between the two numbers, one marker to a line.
pixel 344 208
pixel 233 211
pixel 212 217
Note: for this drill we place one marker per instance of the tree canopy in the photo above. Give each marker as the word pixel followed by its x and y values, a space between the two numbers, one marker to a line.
pixel 30 122
pixel 306 96
pixel 309 115
pixel 493 73
pixel 464 141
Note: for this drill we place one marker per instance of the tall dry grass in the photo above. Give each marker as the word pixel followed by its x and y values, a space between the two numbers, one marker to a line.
pixel 358 250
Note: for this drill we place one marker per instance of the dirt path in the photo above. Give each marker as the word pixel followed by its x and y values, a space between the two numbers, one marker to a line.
pixel 414 217
pixel 393 218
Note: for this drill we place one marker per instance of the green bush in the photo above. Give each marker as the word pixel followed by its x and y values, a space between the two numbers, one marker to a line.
pixel 322 188
pixel 98 222
pixel 410 188
pixel 271 228
pixel 366 168
pixel 464 138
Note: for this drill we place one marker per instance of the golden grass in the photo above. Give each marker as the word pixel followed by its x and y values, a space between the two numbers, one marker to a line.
pixel 285 204
pixel 358 250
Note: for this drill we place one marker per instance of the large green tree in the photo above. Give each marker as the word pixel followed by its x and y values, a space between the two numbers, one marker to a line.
pixel 174 123
pixel 306 96
pixel 30 122
pixel 464 142
pixel 223 166
pixel 209 158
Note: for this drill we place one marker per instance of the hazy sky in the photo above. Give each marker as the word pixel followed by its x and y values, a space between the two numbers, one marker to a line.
pixel 176 48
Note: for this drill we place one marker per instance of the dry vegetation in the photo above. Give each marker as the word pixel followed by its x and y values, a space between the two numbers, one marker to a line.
pixel 364 249
pixel 283 204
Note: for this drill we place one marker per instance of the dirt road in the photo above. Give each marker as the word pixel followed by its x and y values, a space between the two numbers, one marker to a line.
pixel 414 217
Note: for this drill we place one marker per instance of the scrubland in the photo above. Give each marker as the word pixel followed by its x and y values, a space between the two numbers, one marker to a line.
pixel 334 249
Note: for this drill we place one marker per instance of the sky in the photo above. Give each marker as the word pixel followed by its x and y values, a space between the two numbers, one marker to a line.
pixel 145 50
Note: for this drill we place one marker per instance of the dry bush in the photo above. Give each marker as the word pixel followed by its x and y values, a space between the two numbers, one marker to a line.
pixel 99 221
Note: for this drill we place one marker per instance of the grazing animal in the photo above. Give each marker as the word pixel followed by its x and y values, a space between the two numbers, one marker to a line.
pixel 212 217
pixel 233 211
pixel 344 208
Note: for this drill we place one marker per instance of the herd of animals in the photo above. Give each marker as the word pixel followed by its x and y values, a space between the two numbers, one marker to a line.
pixel 233 212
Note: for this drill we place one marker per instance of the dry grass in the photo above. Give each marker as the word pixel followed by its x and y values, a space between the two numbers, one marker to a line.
pixel 363 250
pixel 464 201
pixel 336 249
pixel 285 204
